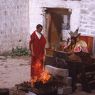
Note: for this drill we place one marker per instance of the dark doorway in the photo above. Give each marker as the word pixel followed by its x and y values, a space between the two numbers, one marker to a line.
pixel 57 20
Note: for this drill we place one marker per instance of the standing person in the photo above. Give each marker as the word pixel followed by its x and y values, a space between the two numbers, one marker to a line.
pixel 37 48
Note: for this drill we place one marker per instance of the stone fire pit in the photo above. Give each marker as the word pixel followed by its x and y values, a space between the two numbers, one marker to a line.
pixel 48 88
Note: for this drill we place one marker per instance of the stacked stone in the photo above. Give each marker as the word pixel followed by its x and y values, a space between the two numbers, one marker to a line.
pixel 66 81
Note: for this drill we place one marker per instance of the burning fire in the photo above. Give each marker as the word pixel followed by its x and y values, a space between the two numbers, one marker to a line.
pixel 39 73
pixel 45 76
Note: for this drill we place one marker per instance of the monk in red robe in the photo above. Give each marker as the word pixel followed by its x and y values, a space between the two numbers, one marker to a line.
pixel 37 48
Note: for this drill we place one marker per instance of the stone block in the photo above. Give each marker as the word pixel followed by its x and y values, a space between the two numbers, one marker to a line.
pixel 67 81
pixel 67 90
pixel 57 71
pixel 30 93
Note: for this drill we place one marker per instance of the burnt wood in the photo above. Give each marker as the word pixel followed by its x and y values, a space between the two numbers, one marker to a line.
pixel 88 77
pixel 4 91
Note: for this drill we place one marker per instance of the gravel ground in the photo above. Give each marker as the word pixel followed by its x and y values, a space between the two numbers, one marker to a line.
pixel 14 71
pixel 17 70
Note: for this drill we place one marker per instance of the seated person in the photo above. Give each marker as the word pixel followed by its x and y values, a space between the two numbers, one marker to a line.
pixel 76 44
pixel 74 48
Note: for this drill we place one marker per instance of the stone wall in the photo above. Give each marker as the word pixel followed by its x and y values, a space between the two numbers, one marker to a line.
pixel 82 13
pixel 82 16
pixel 36 11
pixel 14 24
pixel 87 21
pixel 18 19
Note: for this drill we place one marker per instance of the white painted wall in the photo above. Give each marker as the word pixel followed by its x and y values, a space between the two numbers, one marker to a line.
pixel 36 16
pixel 82 14
pixel 14 24
pixel 87 22
pixel 18 19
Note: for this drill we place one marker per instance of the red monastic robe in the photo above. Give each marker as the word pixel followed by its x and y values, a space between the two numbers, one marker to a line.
pixel 38 50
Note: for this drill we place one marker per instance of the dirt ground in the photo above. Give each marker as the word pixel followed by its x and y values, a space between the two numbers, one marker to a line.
pixel 17 70
pixel 14 70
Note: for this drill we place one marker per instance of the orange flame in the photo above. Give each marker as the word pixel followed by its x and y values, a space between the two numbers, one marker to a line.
pixel 39 73
pixel 45 76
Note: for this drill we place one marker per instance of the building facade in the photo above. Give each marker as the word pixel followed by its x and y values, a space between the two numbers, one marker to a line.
pixel 20 17
pixel 82 16
pixel 14 24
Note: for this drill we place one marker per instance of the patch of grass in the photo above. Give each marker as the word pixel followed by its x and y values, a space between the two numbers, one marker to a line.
pixel 20 52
